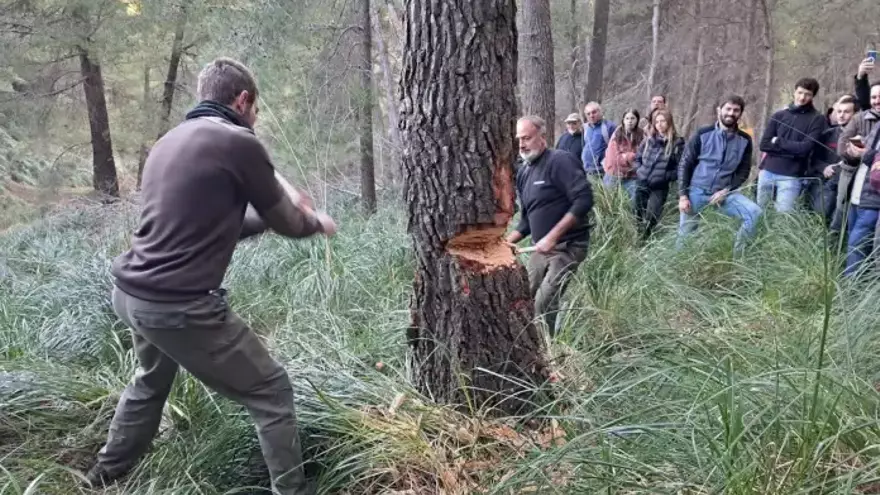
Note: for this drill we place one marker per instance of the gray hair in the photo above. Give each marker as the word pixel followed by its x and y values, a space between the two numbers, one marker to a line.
pixel 536 121
pixel 223 79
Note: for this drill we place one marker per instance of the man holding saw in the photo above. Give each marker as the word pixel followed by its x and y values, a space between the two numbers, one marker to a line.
pixel 556 200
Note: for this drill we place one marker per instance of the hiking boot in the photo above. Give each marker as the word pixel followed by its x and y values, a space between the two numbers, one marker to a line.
pixel 98 478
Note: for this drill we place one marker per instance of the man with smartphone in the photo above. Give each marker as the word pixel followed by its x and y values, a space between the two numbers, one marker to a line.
pixel 858 146
pixel 862 85
pixel 853 144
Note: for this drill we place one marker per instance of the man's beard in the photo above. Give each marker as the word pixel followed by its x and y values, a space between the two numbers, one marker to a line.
pixel 528 156
pixel 729 121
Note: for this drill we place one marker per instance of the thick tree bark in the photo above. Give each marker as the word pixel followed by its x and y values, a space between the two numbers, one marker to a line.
pixel 598 43
pixel 171 77
pixel 472 334
pixel 393 172
pixel 365 111
pixel 655 42
pixel 104 178
pixel 694 100
pixel 538 88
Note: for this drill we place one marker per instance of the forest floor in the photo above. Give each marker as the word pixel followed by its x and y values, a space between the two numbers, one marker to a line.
pixel 684 372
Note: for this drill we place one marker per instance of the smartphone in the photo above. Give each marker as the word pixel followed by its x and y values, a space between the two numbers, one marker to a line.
pixel 872 54
pixel 857 141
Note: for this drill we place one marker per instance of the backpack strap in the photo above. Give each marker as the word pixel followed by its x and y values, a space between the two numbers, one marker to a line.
pixel 604 128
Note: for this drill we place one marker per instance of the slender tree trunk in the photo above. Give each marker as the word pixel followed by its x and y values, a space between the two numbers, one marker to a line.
pixel 655 43
pixel 472 337
pixel 391 101
pixel 104 178
pixel 574 40
pixel 365 111
pixel 693 102
pixel 171 77
pixel 598 43
pixel 748 50
pixel 169 86
pixel 145 116
pixel 766 109
pixel 538 87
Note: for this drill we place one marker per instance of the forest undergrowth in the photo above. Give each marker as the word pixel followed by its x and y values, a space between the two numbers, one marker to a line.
pixel 682 372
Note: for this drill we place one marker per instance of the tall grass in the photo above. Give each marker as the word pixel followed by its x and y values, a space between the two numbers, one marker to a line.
pixel 685 372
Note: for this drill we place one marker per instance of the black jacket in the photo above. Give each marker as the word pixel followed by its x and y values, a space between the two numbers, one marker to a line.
pixel 798 129
pixel 548 188
pixel 863 92
pixel 653 168
pixel 573 143
pixel 826 153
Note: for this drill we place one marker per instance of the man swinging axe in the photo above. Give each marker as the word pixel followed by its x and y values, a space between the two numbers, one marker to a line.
pixel 198 182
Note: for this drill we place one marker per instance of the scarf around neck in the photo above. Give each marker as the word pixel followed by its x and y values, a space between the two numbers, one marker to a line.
pixel 208 108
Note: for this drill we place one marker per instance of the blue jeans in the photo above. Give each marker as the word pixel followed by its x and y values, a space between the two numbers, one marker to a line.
pixel 628 185
pixel 861 237
pixel 788 189
pixel 735 205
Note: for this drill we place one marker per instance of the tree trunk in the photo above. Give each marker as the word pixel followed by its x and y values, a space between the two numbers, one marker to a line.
pixel 598 43
pixel 655 42
pixel 472 334
pixel 171 77
pixel 538 87
pixel 574 40
pixel 365 111
pixel 766 110
pixel 145 115
pixel 391 102
pixel 104 178
pixel 693 102
pixel 748 50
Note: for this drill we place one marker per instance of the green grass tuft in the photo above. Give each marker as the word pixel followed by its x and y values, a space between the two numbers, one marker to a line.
pixel 685 372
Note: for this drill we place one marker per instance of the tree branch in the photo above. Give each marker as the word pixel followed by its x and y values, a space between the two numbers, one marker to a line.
pixel 339 39
pixel 52 93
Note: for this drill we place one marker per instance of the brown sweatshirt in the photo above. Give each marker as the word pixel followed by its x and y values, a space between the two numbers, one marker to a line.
pixel 197 183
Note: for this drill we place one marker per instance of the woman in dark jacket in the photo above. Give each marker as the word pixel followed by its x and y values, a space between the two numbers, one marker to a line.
pixel 656 168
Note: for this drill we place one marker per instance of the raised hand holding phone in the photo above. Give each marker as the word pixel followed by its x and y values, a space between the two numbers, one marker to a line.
pixel 867 65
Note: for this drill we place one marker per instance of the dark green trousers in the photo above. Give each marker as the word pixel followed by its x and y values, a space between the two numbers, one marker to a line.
pixel 214 345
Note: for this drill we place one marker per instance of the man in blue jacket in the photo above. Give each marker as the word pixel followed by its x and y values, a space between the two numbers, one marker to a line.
pixel 789 138
pixel 597 135
pixel 715 164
